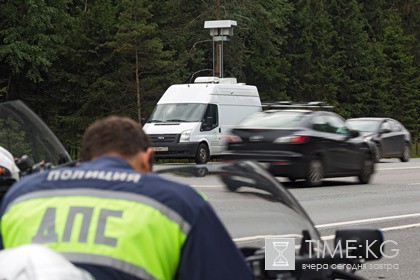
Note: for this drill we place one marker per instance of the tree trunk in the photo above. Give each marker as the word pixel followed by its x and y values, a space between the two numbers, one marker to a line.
pixel 138 86
pixel 217 64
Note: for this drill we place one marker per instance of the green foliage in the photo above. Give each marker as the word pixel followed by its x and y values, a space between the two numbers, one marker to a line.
pixel 31 35
pixel 13 137
pixel 75 61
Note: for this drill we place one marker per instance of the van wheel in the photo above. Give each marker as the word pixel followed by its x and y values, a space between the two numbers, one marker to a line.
pixel 367 170
pixel 315 173
pixel 405 156
pixel 202 155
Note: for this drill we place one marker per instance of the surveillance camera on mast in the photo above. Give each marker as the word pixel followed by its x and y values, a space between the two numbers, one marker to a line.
pixel 220 31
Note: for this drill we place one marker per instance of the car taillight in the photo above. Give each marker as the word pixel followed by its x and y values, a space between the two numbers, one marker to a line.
pixel 232 139
pixel 294 139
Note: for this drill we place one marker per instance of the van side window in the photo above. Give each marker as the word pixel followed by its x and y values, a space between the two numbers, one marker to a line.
pixel 212 111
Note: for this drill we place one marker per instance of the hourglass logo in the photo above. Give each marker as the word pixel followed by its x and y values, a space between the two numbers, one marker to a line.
pixel 279 254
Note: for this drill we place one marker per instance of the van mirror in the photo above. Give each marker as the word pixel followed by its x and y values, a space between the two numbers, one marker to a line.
pixel 207 124
pixel 143 121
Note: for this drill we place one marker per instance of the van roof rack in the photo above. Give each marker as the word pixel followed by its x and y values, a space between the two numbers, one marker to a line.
pixel 215 80
pixel 296 105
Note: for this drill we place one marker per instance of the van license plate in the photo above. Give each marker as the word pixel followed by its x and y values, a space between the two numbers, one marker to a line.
pixel 160 149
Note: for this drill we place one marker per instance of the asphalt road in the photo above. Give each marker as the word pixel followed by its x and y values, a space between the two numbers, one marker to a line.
pixel 390 202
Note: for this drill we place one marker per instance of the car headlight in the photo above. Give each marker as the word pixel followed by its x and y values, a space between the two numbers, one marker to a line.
pixel 185 136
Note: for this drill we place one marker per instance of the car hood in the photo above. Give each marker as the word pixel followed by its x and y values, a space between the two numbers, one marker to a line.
pixel 168 128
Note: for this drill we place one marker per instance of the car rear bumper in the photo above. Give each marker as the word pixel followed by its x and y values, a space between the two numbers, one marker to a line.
pixel 175 150
pixel 278 163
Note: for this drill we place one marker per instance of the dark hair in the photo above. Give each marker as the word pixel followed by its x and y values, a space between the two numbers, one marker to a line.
pixel 114 134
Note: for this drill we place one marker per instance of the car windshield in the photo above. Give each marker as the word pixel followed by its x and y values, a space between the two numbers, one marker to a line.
pixel 182 112
pixel 273 119
pixel 364 125
pixel 251 204
pixel 24 133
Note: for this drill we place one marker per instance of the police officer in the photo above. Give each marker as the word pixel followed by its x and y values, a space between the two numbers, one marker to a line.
pixel 112 218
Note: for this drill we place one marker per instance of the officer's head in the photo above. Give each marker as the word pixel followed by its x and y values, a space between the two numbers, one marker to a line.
pixel 121 137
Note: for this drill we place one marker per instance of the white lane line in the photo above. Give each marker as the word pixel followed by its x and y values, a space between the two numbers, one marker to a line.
pixel 326 237
pixel 414 184
pixel 208 186
pixel 257 237
pixel 329 237
pixel 401 227
pixel 398 168
pixel 405 216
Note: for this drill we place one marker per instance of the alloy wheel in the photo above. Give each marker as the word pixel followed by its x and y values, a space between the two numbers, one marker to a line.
pixel 406 153
pixel 315 173
pixel 367 171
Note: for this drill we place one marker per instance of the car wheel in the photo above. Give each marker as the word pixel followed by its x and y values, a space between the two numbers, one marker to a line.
pixel 377 153
pixel 406 153
pixel 202 155
pixel 367 170
pixel 315 173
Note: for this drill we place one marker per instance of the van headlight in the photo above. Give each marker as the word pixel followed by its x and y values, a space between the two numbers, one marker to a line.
pixel 185 136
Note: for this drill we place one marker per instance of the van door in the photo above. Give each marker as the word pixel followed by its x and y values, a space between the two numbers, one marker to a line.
pixel 211 131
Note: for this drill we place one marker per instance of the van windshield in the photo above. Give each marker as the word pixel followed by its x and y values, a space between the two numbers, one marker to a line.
pixel 180 112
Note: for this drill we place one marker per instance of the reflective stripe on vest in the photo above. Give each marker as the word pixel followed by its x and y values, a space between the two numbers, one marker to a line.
pixel 127 231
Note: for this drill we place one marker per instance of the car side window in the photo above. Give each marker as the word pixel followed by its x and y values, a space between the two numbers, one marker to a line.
pixel 319 123
pixel 337 125
pixel 212 111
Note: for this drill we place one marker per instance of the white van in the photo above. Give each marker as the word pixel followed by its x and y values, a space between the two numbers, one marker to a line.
pixel 190 120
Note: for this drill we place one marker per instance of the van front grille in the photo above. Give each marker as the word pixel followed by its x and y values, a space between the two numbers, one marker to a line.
pixel 163 138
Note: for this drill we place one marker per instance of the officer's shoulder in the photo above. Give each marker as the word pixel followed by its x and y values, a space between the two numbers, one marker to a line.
pixel 25 185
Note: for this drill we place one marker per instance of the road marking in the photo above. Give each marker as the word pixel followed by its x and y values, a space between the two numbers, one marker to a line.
pixel 256 237
pixel 326 237
pixel 398 168
pixel 329 237
pixel 368 220
pixel 207 186
pixel 414 184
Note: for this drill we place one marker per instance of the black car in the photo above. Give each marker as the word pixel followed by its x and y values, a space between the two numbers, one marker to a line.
pixel 302 144
pixel 390 138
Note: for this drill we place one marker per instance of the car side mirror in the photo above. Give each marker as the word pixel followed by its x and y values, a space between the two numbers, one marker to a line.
pixel 361 243
pixel 24 163
pixel 385 130
pixel 354 133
